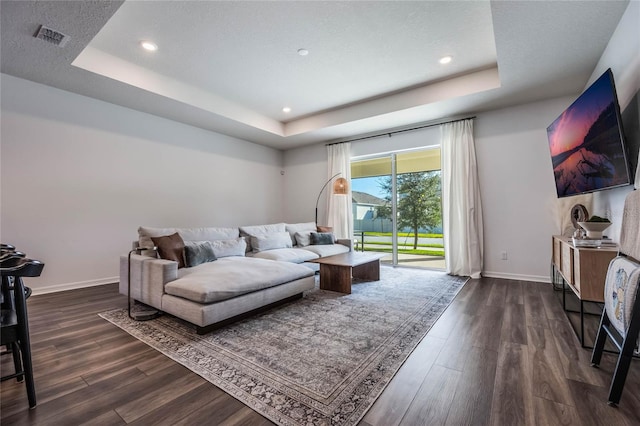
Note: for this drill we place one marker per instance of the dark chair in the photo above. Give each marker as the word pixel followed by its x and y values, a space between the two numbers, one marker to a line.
pixel 621 315
pixel 14 333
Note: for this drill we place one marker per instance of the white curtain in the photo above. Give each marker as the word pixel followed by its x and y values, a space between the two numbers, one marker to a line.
pixel 339 206
pixel 461 205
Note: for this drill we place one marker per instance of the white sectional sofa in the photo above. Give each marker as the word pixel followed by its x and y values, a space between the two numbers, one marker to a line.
pixel 256 267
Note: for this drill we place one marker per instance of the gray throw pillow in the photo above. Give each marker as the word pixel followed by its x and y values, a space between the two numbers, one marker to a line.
pixel 196 253
pixel 321 238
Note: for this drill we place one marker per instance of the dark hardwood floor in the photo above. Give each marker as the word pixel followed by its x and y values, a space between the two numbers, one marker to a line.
pixel 503 353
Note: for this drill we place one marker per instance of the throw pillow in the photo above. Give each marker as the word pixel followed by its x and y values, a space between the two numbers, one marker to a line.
pixel 293 228
pixel 226 248
pixel 197 252
pixel 303 238
pixel 321 238
pixel 145 233
pixel 170 247
pixel 249 231
pixel 188 234
pixel 327 229
pixel 274 240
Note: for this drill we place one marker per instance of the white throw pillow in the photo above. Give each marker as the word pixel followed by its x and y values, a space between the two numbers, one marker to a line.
pixel 249 231
pixel 271 241
pixel 303 238
pixel 293 228
pixel 226 248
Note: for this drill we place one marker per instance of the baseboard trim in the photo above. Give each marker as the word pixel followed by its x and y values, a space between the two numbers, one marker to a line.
pixel 74 286
pixel 519 277
pixel 111 280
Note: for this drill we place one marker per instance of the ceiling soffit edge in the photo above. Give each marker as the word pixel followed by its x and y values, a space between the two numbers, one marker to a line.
pixel 99 62
pixel 456 87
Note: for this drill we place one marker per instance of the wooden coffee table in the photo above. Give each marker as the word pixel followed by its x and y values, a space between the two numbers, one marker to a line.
pixel 336 271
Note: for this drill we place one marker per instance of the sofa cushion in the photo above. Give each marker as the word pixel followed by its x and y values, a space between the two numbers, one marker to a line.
pixel 231 277
pixel 321 238
pixel 293 228
pixel 253 230
pixel 188 234
pixel 327 250
pixel 293 255
pixel 271 241
pixel 196 253
pixel 226 248
pixel 170 247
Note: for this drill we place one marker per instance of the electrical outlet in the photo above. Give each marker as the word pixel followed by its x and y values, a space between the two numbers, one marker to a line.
pixel 503 255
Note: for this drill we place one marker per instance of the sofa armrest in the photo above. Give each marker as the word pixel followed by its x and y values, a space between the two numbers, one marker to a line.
pixel 148 277
pixel 346 242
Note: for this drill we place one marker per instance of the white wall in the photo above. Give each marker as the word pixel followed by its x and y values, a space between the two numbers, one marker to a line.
pixel 518 190
pixel 305 173
pixel 78 176
pixel 622 55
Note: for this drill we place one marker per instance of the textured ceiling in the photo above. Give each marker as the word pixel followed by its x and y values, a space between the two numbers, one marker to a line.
pixel 231 66
pixel 246 52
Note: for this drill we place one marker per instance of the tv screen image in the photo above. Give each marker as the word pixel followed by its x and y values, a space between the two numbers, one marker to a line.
pixel 587 144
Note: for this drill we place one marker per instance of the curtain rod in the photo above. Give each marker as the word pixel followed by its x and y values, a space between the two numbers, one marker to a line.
pixel 401 131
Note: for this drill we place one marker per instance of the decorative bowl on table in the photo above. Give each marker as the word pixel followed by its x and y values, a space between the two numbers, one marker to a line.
pixel 594 229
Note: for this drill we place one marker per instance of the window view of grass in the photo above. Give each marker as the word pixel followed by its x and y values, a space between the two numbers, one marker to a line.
pixel 403 234
pixel 384 244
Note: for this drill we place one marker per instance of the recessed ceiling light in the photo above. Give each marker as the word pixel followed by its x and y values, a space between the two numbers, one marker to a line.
pixel 445 59
pixel 149 45
pixel 286 109
pixel 303 52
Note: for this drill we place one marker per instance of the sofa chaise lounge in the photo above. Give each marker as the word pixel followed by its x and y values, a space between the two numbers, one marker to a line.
pixel 251 268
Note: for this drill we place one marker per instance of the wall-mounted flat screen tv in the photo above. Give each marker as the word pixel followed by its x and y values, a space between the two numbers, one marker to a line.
pixel 587 145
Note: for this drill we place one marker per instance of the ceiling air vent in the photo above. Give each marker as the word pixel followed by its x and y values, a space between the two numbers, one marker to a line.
pixel 52 36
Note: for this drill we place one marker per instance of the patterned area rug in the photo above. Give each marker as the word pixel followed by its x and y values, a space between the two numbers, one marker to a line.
pixel 323 359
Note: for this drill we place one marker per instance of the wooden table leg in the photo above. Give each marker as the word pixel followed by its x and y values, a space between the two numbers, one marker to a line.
pixel 335 278
pixel 368 271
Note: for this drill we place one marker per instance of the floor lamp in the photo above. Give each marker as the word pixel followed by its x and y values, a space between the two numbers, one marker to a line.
pixel 340 187
pixel 142 314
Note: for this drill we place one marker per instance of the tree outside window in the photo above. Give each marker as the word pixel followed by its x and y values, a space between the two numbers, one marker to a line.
pixel 419 201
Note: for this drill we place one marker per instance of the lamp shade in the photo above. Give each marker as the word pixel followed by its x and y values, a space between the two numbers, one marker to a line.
pixel 340 186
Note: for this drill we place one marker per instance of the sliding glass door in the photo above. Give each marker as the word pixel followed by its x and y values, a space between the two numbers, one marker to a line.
pixel 397 207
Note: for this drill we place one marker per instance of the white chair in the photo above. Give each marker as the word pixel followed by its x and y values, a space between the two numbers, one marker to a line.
pixel 621 315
